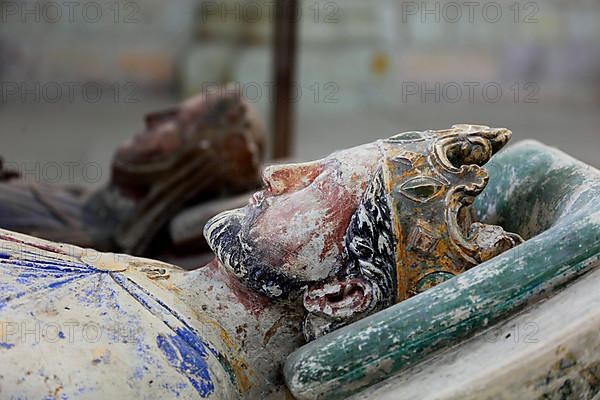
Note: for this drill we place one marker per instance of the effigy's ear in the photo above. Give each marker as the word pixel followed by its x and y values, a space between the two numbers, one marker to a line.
pixel 334 303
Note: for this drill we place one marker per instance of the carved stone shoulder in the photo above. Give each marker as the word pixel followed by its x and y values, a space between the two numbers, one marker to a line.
pixel 92 318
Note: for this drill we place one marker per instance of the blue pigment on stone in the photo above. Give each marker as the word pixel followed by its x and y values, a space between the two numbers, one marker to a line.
pixel 189 359
pixel 183 349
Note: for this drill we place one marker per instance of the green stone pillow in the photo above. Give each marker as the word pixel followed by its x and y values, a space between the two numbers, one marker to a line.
pixel 549 198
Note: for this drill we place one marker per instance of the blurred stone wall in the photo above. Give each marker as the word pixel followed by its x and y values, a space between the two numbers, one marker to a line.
pixel 366 70
pixel 354 53
pixel 339 43
pixel 100 41
pixel 363 52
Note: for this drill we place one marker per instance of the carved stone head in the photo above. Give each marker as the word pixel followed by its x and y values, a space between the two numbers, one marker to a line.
pixel 366 227
pixel 218 123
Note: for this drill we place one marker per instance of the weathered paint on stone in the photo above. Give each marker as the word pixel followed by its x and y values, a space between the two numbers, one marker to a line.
pixel 224 330
pixel 550 351
pixel 540 193
pixel 69 324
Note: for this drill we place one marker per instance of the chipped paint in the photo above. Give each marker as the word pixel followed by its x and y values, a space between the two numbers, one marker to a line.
pixel 224 331
pixel 189 360
pixel 93 321
pixel 557 210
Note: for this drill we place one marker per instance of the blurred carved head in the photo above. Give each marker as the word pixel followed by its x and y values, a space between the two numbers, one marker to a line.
pixel 365 227
pixel 218 126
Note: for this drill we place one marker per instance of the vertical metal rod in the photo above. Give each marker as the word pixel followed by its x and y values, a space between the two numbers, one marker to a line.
pixel 284 70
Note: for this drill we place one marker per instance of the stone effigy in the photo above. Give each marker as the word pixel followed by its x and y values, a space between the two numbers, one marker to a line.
pixel 207 147
pixel 325 244
pixel 487 333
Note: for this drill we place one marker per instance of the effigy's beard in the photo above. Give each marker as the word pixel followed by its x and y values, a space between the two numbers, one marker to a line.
pixel 227 236
pixel 223 234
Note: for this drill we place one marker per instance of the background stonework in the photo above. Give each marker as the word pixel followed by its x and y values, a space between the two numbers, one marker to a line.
pixel 359 65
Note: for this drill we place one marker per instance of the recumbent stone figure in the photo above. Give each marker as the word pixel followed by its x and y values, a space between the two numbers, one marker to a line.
pixel 324 244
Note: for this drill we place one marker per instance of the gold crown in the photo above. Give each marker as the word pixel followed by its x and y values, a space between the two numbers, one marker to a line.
pixel 432 178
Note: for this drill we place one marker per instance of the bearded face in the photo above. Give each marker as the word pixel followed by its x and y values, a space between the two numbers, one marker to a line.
pixel 292 232
pixel 345 228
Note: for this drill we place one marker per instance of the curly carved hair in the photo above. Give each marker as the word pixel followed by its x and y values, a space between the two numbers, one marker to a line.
pixel 370 257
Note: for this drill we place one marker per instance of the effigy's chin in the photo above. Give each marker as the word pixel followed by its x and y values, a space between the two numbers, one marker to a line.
pixel 223 234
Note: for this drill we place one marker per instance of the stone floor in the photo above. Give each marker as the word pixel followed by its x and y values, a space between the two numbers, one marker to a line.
pixel 575 130
pixel 73 143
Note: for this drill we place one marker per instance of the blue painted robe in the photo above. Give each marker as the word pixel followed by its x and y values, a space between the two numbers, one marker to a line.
pixel 98 326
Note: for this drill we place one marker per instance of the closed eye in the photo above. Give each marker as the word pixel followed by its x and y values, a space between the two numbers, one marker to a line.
pixel 284 178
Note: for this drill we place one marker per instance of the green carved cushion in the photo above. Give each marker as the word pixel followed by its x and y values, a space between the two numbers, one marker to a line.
pixel 551 199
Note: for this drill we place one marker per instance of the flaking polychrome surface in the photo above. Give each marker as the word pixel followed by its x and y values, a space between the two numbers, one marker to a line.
pixel 550 351
pixel 77 324
pixel 541 193
pixel 203 334
pixel 435 237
